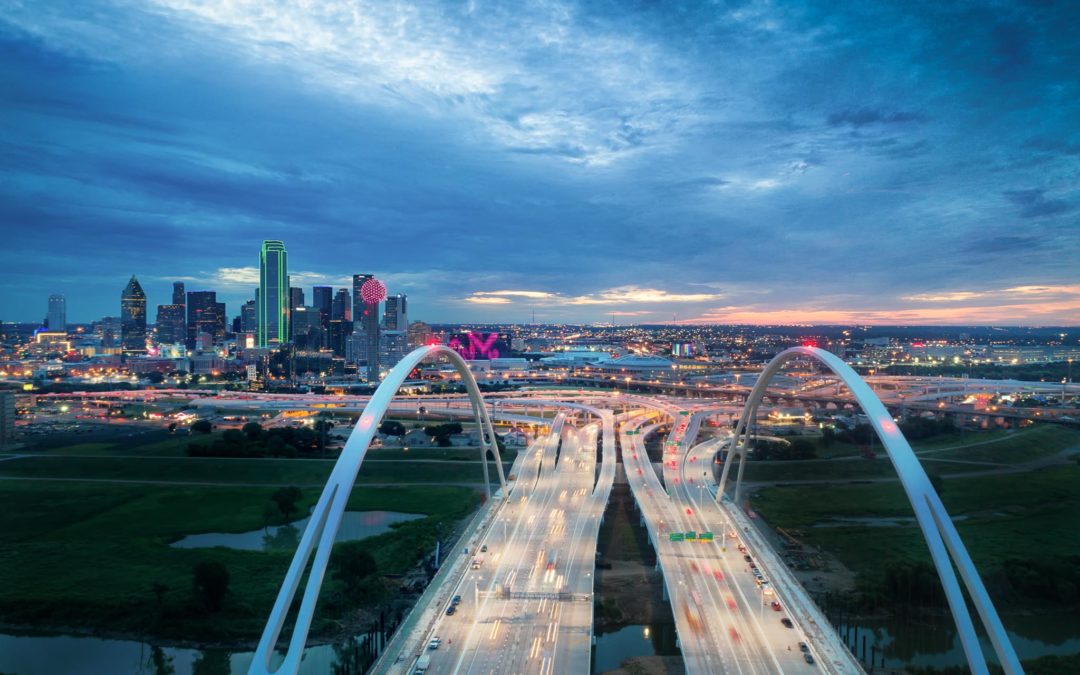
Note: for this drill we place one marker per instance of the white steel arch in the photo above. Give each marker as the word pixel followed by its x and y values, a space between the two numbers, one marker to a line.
pixel 326 517
pixel 937 527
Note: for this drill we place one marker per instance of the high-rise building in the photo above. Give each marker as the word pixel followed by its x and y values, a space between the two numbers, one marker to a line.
pixel 249 322
pixel 133 318
pixel 366 319
pixel 57 320
pixel 204 315
pixel 170 324
pixel 307 328
pixel 341 310
pixel 109 330
pixel 178 293
pixel 273 299
pixel 394 314
pixel 336 336
pixel 393 346
pixel 296 300
pixel 322 299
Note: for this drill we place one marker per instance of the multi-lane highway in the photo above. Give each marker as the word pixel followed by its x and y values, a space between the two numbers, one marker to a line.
pixel 729 617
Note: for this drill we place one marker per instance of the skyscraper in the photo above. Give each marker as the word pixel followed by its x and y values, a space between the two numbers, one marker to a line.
pixel 249 322
pixel 133 318
pixel 57 313
pixel 322 299
pixel 296 300
pixel 366 318
pixel 341 310
pixel 394 315
pixel 204 315
pixel 274 294
pixel 170 324
pixel 178 293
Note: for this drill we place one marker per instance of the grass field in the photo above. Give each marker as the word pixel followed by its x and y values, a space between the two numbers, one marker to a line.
pixel 1006 516
pixel 87 555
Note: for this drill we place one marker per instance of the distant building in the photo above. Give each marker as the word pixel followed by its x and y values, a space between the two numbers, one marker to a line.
pixel 341 310
pixel 249 322
pixel 273 298
pixel 133 318
pixel 393 346
pixel 336 336
pixel 178 297
pixel 204 315
pixel 296 300
pixel 419 334
pixel 394 314
pixel 307 328
pixel 57 317
pixel 366 317
pixel 109 330
pixel 7 417
pixel 322 299
pixel 170 324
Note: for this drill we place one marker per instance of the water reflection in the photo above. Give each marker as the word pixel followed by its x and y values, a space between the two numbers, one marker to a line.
pixel 634 640
pixel 354 525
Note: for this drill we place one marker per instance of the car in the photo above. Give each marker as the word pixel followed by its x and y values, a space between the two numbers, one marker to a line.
pixel 742 549
pixel 775 605
pixel 450 610
pixel 456 600
pixel 483 549
pixel 747 558
pixel 787 622
pixel 435 642
pixel 803 647
pixel 809 658
pixel 689 512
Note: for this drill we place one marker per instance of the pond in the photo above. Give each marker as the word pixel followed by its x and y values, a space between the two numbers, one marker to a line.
pixel 77 655
pixel 354 525
pixel 898 643
pixel 634 640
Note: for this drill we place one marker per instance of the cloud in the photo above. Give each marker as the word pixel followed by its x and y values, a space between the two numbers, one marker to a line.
pixel 1034 203
pixel 861 117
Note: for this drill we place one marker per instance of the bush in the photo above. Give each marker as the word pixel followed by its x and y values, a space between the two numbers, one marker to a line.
pixel 210 580
pixel 202 426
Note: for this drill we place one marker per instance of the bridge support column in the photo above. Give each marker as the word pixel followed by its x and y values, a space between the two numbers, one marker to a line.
pixel 665 593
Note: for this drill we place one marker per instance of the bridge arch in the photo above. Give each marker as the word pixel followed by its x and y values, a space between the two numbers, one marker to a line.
pixel 937 527
pixel 322 528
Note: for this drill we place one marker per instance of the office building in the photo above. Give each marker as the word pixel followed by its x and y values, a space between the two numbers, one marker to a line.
pixel 307 328
pixel 356 350
pixel 7 417
pixel 205 315
pixel 170 324
pixel 273 297
pixel 178 297
pixel 57 317
pixel 366 320
pixel 341 310
pixel 393 346
pixel 336 335
pixel 322 299
pixel 109 330
pixel 249 322
pixel 394 314
pixel 133 318
pixel 420 334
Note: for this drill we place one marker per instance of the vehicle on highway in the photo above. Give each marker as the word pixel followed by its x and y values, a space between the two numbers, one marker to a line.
pixel 450 610
pixel 552 558
pixel 435 642
pixel 803 647
pixel 787 622
pixel 809 658
pixel 477 562
pixel 747 558
pixel 776 606
pixel 483 549
pixel 456 600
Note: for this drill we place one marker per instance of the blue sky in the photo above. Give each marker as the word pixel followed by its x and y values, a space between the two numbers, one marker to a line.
pixel 728 162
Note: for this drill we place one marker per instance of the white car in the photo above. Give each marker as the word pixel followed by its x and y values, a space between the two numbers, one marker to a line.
pixel 435 642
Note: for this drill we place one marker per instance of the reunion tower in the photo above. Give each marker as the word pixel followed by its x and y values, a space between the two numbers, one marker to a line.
pixel 368 292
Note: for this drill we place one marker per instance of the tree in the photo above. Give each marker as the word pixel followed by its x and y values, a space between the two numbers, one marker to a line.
pixel 210 579
pixel 202 426
pixel 155 377
pixel 392 428
pixel 352 564
pixel 252 430
pixel 286 499
pixel 172 427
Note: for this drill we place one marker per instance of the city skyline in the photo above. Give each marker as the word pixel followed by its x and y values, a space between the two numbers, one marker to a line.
pixel 809 164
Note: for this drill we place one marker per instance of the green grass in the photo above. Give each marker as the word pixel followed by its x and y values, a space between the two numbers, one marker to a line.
pixel 1027 445
pixel 1007 516
pixel 235 471
pixel 86 555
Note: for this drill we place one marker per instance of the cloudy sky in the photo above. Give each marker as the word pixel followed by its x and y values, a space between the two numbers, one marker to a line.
pixel 723 162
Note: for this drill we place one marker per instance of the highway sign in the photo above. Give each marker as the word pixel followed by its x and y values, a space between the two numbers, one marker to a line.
pixel 675 536
pixel 691 536
pixel 705 536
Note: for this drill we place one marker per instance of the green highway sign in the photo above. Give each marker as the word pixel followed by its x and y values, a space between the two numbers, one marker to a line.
pixel 675 536
pixel 705 536
pixel 690 536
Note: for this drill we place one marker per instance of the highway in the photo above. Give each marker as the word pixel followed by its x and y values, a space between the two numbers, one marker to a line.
pixel 725 619
pixel 526 601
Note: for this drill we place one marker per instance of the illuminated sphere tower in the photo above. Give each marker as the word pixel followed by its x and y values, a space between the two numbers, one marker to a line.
pixel 273 299
pixel 372 292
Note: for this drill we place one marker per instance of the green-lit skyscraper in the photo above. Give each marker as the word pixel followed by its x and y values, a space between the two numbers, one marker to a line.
pixel 273 297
